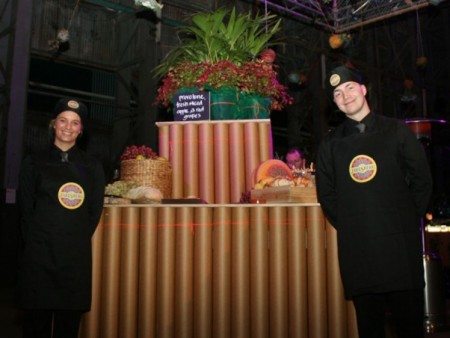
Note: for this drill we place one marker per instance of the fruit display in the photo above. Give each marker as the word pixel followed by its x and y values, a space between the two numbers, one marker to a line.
pixel 119 188
pixel 271 169
pixel 276 173
pixel 122 191
pixel 138 153
pixel 144 177
pixel 142 165
pixel 143 194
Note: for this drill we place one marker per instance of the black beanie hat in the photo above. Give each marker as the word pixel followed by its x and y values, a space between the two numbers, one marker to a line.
pixel 67 104
pixel 342 74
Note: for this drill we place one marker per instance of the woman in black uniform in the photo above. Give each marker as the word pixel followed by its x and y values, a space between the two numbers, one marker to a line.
pixel 61 199
pixel 374 184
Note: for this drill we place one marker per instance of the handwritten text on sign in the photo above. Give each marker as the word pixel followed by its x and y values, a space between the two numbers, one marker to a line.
pixel 191 106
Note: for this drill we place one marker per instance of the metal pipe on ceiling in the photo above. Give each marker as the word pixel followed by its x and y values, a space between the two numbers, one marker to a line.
pixel 297 14
pixel 112 6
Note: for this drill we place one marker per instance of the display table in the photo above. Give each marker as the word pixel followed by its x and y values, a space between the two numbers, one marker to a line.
pixel 219 270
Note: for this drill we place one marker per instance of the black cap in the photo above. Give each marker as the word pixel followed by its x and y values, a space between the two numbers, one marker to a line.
pixel 67 104
pixel 342 74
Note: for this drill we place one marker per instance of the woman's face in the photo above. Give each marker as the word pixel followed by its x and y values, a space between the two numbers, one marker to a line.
pixel 67 127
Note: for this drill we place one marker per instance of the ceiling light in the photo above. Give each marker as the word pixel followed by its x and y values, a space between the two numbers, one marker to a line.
pixel 152 4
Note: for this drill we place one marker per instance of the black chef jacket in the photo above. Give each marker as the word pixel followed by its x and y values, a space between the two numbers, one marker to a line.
pixel 60 203
pixel 373 188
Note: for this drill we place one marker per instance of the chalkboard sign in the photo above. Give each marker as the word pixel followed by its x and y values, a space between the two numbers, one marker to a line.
pixel 191 106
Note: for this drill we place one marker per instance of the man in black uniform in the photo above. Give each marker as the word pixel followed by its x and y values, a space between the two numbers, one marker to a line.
pixel 61 198
pixel 374 184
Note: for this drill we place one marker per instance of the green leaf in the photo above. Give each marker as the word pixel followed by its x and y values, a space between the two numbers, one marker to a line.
pixel 222 35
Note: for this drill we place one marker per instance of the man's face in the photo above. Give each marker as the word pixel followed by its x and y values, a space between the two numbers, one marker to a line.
pixel 350 97
pixel 294 160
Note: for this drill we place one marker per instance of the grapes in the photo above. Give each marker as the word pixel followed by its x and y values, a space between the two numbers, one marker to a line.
pixel 119 188
pixel 245 197
pixel 131 152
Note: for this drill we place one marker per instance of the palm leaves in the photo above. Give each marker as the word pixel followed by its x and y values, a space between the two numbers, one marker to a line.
pixel 222 35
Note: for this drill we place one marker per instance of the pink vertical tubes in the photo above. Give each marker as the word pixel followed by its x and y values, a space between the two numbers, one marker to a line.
pixel 166 273
pixel 259 272
pixel 252 153
pixel 216 271
pixel 204 169
pixel 129 272
pixel 184 259
pixel 148 245
pixel 317 306
pixel 203 276
pixel 222 273
pixel 237 162
pixel 111 272
pixel 297 253
pixel 163 140
pixel 221 163
pixel 240 273
pixel 190 160
pixel 265 141
pixel 206 162
pixel 176 159
pixel 278 272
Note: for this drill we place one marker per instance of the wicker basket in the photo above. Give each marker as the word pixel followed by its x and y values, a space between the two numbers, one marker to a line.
pixel 156 173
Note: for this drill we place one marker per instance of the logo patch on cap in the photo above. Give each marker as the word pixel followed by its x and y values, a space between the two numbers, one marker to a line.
pixel 335 79
pixel 362 168
pixel 73 104
pixel 71 195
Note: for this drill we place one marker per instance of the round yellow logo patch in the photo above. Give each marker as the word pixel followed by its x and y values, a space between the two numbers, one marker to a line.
pixel 335 79
pixel 362 168
pixel 73 104
pixel 71 195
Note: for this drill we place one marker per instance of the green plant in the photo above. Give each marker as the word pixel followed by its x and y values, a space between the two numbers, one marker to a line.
pixel 224 49
pixel 222 35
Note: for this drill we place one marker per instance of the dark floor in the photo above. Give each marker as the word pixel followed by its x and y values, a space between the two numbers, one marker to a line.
pixel 10 319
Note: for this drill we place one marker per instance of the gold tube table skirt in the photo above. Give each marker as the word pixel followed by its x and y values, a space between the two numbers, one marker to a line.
pixel 219 270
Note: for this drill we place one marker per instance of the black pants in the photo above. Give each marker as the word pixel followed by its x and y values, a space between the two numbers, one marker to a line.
pixel 51 323
pixel 405 310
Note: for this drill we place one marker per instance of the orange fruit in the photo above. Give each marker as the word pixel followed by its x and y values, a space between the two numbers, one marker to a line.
pixel 335 41
pixel 272 169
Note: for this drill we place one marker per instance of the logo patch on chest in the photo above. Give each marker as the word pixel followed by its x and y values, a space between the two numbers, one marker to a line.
pixel 71 195
pixel 362 168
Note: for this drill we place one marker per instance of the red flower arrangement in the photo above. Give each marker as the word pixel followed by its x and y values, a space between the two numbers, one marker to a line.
pixel 253 77
pixel 260 78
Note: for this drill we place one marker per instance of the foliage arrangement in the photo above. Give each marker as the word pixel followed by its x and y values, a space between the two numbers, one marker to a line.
pixel 253 77
pixel 221 35
pixel 223 49
pixel 261 79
